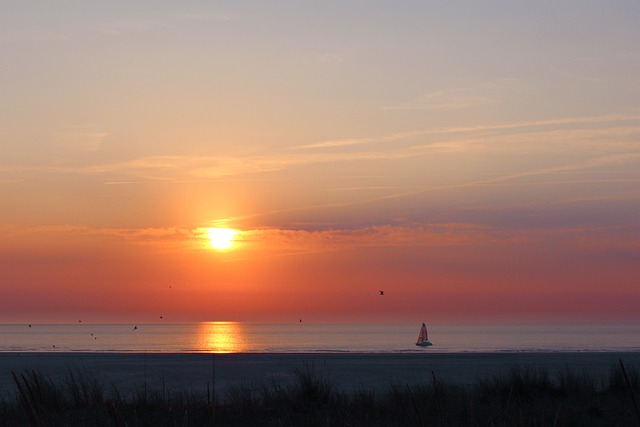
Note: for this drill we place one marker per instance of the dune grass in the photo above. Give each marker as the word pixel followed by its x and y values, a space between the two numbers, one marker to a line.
pixel 523 397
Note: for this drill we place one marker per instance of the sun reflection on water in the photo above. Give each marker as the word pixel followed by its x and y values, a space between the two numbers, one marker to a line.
pixel 221 337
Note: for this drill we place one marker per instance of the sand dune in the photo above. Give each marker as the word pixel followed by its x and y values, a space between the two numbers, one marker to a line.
pixel 349 372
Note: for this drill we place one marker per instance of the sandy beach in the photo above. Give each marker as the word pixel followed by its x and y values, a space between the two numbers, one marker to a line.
pixel 349 372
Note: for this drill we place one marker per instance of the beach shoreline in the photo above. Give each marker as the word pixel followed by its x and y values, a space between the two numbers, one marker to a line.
pixel 349 372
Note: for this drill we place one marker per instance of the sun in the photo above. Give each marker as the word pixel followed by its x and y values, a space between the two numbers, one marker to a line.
pixel 221 238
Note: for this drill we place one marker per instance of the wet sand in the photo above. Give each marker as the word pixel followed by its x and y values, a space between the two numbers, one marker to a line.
pixel 349 372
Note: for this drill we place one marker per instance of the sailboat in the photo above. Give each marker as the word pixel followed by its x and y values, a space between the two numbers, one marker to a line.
pixel 423 338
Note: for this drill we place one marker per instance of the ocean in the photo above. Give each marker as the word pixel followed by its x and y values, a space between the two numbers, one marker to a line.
pixel 240 337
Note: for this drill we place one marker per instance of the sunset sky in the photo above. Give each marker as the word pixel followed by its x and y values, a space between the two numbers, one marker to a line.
pixel 477 161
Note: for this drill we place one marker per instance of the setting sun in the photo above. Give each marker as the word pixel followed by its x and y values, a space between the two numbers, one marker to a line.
pixel 221 238
pixel 229 175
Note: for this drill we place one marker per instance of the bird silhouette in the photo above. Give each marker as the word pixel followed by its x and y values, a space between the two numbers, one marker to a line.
pixel 381 292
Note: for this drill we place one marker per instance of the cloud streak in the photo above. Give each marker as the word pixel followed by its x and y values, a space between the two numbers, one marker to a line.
pixel 526 137
pixel 336 239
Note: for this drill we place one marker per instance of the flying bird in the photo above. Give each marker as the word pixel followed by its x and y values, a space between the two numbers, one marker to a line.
pixel 381 292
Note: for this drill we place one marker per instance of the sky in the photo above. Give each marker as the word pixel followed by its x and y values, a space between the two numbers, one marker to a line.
pixel 476 161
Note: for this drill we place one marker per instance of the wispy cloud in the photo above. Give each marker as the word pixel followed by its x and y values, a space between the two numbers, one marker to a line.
pixel 337 143
pixel 461 98
pixel 503 179
pixel 445 101
pixel 600 140
pixel 81 137
pixel 35 36
pixel 573 75
pixel 624 122
pixel 292 241
pixel 161 20
pixel 173 236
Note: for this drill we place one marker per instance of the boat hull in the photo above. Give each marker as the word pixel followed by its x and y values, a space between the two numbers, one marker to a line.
pixel 423 344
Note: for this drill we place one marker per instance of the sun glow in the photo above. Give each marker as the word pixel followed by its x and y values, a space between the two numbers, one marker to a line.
pixel 221 238
pixel 221 337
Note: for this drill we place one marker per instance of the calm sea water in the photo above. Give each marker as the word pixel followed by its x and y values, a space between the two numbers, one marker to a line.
pixel 238 337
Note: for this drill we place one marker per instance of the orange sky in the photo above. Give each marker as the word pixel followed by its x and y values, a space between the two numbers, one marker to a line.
pixel 449 272
pixel 477 163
